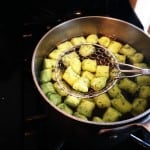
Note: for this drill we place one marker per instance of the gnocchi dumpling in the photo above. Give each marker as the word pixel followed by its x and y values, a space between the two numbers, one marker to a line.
pixel 97 119
pixel 70 76
pixel 78 115
pixel 143 80
pixel 139 105
pixel 86 108
pixel 104 41
pixel 65 108
pixel 114 46
pixel 81 84
pixel 127 50
pixel 48 87
pixel 102 101
pixel 92 38
pixel 136 58
pixel 54 98
pixel 114 91
pixel 59 90
pixel 86 50
pixel 78 40
pixel 75 64
pixel 111 115
pixel 65 46
pixel 102 71
pixel 120 58
pixel 89 65
pixel 55 54
pixel 45 75
pixel 72 101
pixel 49 63
pixel 144 91
pixel 87 75
pixel 122 105
pixel 66 59
pixel 98 83
pixel 128 85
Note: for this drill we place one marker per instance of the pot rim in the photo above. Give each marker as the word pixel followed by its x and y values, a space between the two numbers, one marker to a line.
pixel 106 124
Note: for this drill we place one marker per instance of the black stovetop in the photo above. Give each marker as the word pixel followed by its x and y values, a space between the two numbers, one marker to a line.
pixel 24 123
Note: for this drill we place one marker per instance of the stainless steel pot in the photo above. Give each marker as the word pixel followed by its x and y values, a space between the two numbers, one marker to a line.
pixel 119 29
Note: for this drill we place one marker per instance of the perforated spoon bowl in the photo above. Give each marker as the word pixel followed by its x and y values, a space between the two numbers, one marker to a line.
pixel 103 57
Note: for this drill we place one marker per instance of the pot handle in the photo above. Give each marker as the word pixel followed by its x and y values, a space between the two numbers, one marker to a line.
pixel 133 126
pixel 140 141
pixel 146 142
pixel 132 129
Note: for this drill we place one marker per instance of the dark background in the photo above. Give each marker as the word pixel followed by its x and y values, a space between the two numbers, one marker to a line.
pixel 34 15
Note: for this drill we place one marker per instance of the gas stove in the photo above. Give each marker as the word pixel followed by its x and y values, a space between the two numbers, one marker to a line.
pixel 26 123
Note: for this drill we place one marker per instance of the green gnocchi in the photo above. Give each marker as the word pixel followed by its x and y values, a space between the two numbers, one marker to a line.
pixel 126 99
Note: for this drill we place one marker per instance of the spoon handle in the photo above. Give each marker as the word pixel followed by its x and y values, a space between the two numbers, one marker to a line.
pixel 131 70
pixel 145 71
